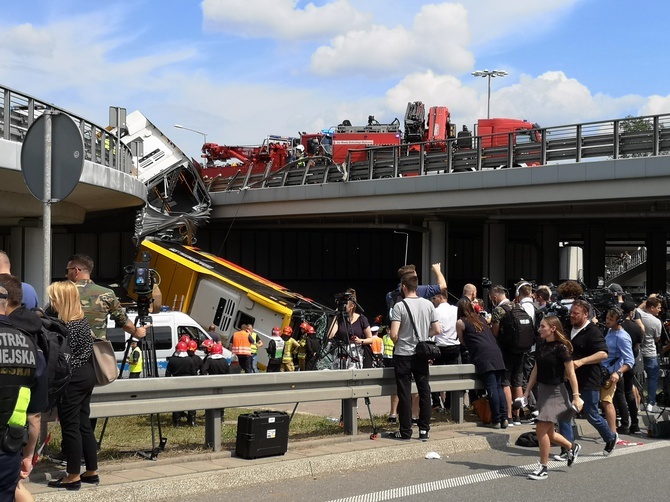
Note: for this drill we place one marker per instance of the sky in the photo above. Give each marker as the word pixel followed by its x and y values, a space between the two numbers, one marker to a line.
pixel 239 70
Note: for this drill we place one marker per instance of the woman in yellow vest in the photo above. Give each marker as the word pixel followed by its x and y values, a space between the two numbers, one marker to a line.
pixel 134 359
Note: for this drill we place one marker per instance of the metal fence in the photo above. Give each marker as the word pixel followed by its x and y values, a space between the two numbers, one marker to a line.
pixel 18 111
pixel 612 139
pixel 144 396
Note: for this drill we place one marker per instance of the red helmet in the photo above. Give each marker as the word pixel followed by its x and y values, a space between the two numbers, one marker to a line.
pixel 185 338
pixel 276 331
pixel 287 331
pixel 310 329
pixel 207 344
pixel 216 348
pixel 304 325
pixel 182 347
pixel 192 345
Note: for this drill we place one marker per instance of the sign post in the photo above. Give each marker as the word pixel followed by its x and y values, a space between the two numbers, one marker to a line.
pixel 52 160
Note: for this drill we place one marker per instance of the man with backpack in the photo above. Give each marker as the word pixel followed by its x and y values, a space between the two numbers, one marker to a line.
pixel 515 331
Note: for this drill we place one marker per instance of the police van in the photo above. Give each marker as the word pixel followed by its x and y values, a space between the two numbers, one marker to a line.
pixel 168 328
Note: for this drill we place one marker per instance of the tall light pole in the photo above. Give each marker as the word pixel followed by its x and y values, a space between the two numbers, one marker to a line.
pixel 488 74
pixel 204 136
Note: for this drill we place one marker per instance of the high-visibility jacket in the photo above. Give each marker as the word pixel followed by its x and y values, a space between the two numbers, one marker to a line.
pixel 241 345
pixel 136 356
pixel 279 347
pixel 388 346
pixel 377 346
pixel 290 347
pixel 254 346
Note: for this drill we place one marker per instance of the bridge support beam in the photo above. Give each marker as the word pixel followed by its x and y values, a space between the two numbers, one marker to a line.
pixel 435 243
pixel 594 255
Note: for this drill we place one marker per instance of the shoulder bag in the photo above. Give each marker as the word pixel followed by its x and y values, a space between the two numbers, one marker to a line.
pixel 427 350
pixel 104 362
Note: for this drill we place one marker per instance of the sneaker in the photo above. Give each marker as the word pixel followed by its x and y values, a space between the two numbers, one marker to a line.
pixel 540 473
pixel 573 453
pixel 610 445
pixel 623 430
pixel 415 421
pixel 634 428
pixel 562 457
pixel 493 425
pixel 504 423
pixel 424 436
pixel 652 408
pixel 393 419
pixel 516 422
pixel 397 435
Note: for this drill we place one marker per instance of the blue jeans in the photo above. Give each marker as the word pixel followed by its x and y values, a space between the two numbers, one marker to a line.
pixel 591 399
pixel 651 369
pixel 254 363
pixel 492 381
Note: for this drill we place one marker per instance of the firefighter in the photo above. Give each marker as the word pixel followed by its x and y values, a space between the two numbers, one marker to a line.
pixel 134 359
pixel 290 348
pixel 302 348
pixel 197 360
pixel 275 350
pixel 181 365
pixel 312 349
pixel 215 363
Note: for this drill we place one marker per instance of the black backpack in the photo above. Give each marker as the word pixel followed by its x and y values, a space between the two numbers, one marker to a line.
pixel 53 341
pixel 517 329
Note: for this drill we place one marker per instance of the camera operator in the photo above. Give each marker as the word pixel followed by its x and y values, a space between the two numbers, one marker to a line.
pixel 353 328
pixel 98 302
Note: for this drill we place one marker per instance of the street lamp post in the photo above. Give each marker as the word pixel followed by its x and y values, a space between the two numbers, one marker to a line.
pixel 204 136
pixel 488 74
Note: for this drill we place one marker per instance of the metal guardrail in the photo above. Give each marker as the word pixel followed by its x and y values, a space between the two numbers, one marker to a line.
pixel 612 139
pixel 146 396
pixel 18 111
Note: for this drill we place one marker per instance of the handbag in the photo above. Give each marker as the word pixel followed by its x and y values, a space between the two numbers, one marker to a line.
pixel 427 350
pixel 104 362
pixel 482 408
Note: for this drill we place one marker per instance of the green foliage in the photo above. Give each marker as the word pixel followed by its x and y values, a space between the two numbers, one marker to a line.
pixel 633 124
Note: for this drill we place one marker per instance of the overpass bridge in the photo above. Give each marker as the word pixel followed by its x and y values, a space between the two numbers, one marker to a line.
pixel 479 211
pixel 108 184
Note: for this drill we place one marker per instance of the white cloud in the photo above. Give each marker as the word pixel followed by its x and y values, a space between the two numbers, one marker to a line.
pixel 655 105
pixel 437 41
pixel 280 18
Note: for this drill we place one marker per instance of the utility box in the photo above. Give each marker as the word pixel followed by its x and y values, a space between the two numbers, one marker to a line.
pixel 262 434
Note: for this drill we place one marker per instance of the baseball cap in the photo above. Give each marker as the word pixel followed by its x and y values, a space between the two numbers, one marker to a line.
pixel 615 288
pixel 627 306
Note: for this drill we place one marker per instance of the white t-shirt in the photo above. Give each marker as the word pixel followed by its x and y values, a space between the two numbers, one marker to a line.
pixel 447 316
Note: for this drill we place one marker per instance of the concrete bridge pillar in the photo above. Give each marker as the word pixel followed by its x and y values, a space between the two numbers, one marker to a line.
pixel 27 243
pixel 434 246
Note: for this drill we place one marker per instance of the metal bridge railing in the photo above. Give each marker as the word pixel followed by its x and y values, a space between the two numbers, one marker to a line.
pixel 612 139
pixel 18 111
pixel 145 396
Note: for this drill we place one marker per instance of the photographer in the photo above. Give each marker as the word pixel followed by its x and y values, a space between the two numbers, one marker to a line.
pixel 353 329
pixel 98 302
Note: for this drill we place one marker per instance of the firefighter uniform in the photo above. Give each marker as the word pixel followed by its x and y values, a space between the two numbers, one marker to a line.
pixel 181 365
pixel 18 374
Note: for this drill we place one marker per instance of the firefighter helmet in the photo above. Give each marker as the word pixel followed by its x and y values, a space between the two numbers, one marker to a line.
pixel 182 347
pixel 185 338
pixel 304 325
pixel 300 148
pixel 310 329
pixel 192 345
pixel 287 331
pixel 276 331
pixel 216 348
pixel 207 344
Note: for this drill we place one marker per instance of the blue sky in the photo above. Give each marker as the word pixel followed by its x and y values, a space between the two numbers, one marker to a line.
pixel 239 70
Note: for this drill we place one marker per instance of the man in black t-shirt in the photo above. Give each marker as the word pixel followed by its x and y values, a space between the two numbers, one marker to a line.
pixel 625 394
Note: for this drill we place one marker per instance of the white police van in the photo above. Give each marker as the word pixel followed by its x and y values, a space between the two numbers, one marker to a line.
pixel 168 328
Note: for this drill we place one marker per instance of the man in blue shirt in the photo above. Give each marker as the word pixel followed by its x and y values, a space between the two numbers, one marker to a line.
pixel 619 360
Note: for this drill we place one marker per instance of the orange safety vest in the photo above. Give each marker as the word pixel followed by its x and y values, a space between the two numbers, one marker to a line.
pixel 377 345
pixel 241 345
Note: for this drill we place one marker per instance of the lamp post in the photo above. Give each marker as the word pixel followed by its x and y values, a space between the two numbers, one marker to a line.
pixel 204 136
pixel 488 74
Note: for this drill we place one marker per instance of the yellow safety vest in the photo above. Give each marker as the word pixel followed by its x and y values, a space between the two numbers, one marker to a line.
pixel 254 346
pixel 388 346
pixel 19 416
pixel 136 367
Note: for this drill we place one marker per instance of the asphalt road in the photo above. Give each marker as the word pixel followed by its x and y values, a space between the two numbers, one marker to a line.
pixel 630 473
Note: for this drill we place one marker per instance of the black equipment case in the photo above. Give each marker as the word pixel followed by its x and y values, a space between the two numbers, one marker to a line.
pixel 262 434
